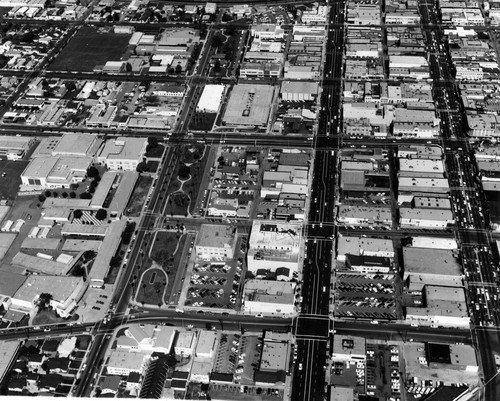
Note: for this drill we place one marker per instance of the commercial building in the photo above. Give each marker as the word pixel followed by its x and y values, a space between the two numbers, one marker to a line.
pixel 210 99
pixel 348 349
pixel 147 339
pixel 80 145
pixel 15 147
pixel 425 217
pixel 364 215
pixel 299 91
pixel 123 153
pixel 215 241
pixel 185 342
pixel 274 245
pixel 49 172
pixel 205 348
pixel 445 306
pixel 431 262
pixel 249 105
pixel 270 297
pixel 364 246
pixel 368 264
pixel 123 363
pixel 66 293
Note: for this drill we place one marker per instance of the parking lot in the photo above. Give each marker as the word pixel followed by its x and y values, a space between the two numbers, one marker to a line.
pixel 214 284
pixel 369 296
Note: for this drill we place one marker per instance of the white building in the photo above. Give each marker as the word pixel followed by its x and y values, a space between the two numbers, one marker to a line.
pixel 445 306
pixel 315 16
pixel 274 244
pixel 122 363
pixel 425 217
pixel 185 343
pixel 348 349
pixel 50 172
pixel 205 348
pixel 269 297
pixel 66 293
pixel 123 153
pixel 210 99
pixel 215 241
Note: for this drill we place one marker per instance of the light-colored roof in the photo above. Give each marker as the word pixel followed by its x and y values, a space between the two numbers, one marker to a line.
pixel 60 287
pixel 125 360
pixel 41 243
pixel 185 339
pixel 36 264
pixel 102 190
pixel 6 240
pixel 8 350
pixel 431 166
pixel 216 236
pixel 210 98
pixel 122 148
pixel 362 245
pixel 434 242
pixel 108 248
pixel 206 342
pixel 76 144
pixel 249 105
pixel 299 87
pixel 274 356
pixel 78 245
pixel 124 190
pixel 267 291
pixel 431 261
pixel 349 345
pixel 426 214
pixel 275 234
pixel 85 229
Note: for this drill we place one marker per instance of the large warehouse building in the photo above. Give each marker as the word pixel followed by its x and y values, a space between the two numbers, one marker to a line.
pixel 210 99
pixel 249 105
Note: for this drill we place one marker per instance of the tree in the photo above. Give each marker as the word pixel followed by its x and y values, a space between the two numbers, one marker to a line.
pixel 64 194
pixel 44 300
pixel 218 40
pixel 217 66
pixel 55 194
pixel 184 172
pixel 72 194
pixel 94 183
pixel 48 193
pixel 178 69
pixel 92 172
pixel 70 86
pixel 92 190
pixel 115 261
pixel 77 214
pixel 41 198
pixel 88 255
pixel 142 167
pixel 85 195
pixel 101 214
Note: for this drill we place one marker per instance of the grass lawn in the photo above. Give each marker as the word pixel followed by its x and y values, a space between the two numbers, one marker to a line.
pixel 150 290
pixel 169 241
pixel 9 185
pixel 46 317
pixel 90 48
pixel 177 204
pixel 138 197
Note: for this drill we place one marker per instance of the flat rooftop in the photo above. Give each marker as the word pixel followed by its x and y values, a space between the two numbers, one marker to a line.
pixel 60 287
pixel 216 236
pixel 249 105
pixel 274 356
pixel 430 261
pixel 10 282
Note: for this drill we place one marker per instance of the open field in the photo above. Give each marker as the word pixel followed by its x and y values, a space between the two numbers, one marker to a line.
pixel 90 48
